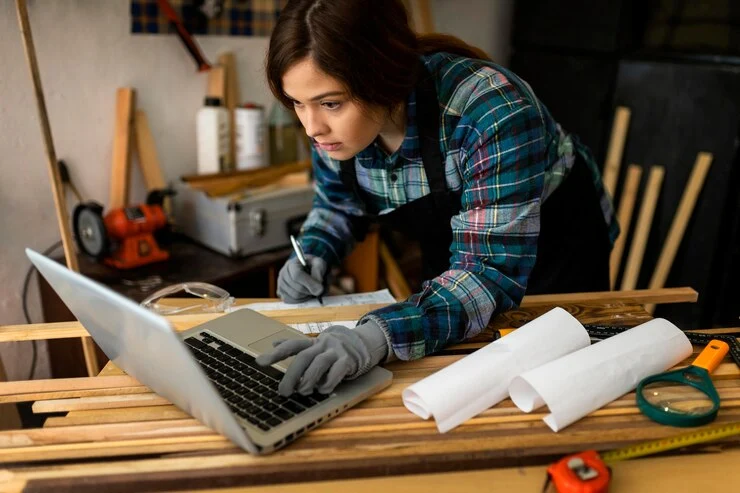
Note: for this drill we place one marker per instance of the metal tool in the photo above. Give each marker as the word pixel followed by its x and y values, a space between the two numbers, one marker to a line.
pixel 185 36
pixel 124 237
pixel 589 472
pixel 684 397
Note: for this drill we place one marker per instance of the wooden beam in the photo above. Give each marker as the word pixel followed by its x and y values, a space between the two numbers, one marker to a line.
pixel 680 221
pixel 231 100
pixel 665 295
pixel 88 346
pixel 120 178
pixel 362 263
pixel 616 148
pixel 216 87
pixel 60 330
pixel 147 152
pixel 624 217
pixel 645 219
pixel 395 279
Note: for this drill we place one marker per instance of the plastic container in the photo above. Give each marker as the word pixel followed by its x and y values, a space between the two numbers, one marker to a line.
pixel 251 151
pixel 212 132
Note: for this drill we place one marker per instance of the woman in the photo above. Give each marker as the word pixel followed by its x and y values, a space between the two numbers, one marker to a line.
pixel 426 136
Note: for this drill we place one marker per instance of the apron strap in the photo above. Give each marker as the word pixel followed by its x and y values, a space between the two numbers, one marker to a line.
pixel 427 111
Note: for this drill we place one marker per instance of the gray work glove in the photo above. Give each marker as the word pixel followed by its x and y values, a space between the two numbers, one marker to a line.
pixel 338 353
pixel 297 283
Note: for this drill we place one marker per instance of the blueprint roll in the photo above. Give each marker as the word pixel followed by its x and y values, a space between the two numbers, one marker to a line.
pixel 582 382
pixel 480 380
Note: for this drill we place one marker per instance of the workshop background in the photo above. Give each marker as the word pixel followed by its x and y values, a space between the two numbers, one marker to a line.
pixel 675 64
pixel 85 52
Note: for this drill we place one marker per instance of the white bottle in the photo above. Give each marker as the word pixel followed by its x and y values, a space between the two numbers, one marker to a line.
pixel 212 131
pixel 251 150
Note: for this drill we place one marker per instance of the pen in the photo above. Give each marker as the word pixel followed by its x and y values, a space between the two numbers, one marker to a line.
pixel 302 259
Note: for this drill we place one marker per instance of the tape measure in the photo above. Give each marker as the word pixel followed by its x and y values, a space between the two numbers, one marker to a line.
pixel 698 338
pixel 588 472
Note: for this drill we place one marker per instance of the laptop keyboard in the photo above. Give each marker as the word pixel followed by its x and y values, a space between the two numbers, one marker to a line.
pixel 250 390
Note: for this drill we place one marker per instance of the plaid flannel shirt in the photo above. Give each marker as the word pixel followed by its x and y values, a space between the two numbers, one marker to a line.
pixel 506 154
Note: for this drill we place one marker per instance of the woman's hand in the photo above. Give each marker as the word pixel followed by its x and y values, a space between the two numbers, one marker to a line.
pixel 320 363
pixel 297 283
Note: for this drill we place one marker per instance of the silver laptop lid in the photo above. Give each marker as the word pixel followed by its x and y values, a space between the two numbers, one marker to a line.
pixel 144 345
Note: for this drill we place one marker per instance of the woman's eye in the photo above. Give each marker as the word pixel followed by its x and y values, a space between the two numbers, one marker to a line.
pixel 330 105
pixel 296 104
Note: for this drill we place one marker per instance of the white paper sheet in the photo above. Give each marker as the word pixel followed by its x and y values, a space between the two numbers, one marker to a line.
pixel 581 382
pixel 480 380
pixel 381 296
pixel 319 327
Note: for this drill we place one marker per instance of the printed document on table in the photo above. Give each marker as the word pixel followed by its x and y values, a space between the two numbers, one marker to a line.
pixel 319 327
pixel 381 296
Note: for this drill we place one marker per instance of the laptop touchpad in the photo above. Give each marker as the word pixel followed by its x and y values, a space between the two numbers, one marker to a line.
pixel 265 345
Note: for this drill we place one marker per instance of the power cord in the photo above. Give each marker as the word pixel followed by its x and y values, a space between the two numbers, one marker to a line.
pixel 26 283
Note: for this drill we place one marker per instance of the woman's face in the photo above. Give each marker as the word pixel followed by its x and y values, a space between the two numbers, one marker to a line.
pixel 337 124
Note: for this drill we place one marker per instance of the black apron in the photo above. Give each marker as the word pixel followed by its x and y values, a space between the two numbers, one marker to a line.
pixel 573 246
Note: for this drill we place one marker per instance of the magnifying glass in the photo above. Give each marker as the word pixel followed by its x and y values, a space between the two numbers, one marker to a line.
pixel 684 397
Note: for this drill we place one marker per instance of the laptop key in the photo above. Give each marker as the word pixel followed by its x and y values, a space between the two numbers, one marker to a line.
pixel 263 416
pixel 192 341
pixel 273 421
pixel 293 407
pixel 263 426
pixel 283 413
pixel 303 400
pixel 270 406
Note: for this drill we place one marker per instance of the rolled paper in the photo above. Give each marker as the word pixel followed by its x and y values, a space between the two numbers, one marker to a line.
pixel 480 380
pixel 582 382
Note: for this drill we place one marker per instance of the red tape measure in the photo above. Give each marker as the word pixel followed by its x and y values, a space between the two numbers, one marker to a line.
pixel 580 473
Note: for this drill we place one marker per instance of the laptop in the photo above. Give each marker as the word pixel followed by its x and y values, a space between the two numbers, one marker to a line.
pixel 207 371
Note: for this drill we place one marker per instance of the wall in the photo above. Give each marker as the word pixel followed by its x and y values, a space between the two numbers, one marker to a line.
pixel 85 52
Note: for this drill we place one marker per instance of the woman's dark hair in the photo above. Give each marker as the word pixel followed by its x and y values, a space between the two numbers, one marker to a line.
pixel 365 44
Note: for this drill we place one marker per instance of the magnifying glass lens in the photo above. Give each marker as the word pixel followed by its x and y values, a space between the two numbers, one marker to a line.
pixel 676 398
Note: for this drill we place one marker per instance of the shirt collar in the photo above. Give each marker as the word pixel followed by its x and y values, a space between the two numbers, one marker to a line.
pixel 410 146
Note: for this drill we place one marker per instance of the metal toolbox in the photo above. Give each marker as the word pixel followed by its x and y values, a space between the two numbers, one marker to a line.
pixel 241 225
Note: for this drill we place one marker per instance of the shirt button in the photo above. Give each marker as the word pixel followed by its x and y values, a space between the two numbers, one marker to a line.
pixel 394 177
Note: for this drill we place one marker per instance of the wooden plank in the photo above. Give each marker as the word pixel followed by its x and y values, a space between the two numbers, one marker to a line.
pixel 680 221
pixel 616 148
pixel 216 87
pixel 662 295
pixel 103 402
pixel 395 279
pixel 338 452
pixel 231 101
pixel 57 188
pixel 9 416
pixel 61 384
pixel 362 263
pixel 102 432
pixel 68 394
pixel 147 151
pixel 120 178
pixel 624 217
pixel 645 219
pixel 592 308
pixel 223 184
pixel 648 475
pixel 122 415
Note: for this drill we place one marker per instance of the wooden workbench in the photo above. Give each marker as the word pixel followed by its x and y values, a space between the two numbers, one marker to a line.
pixel 117 436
